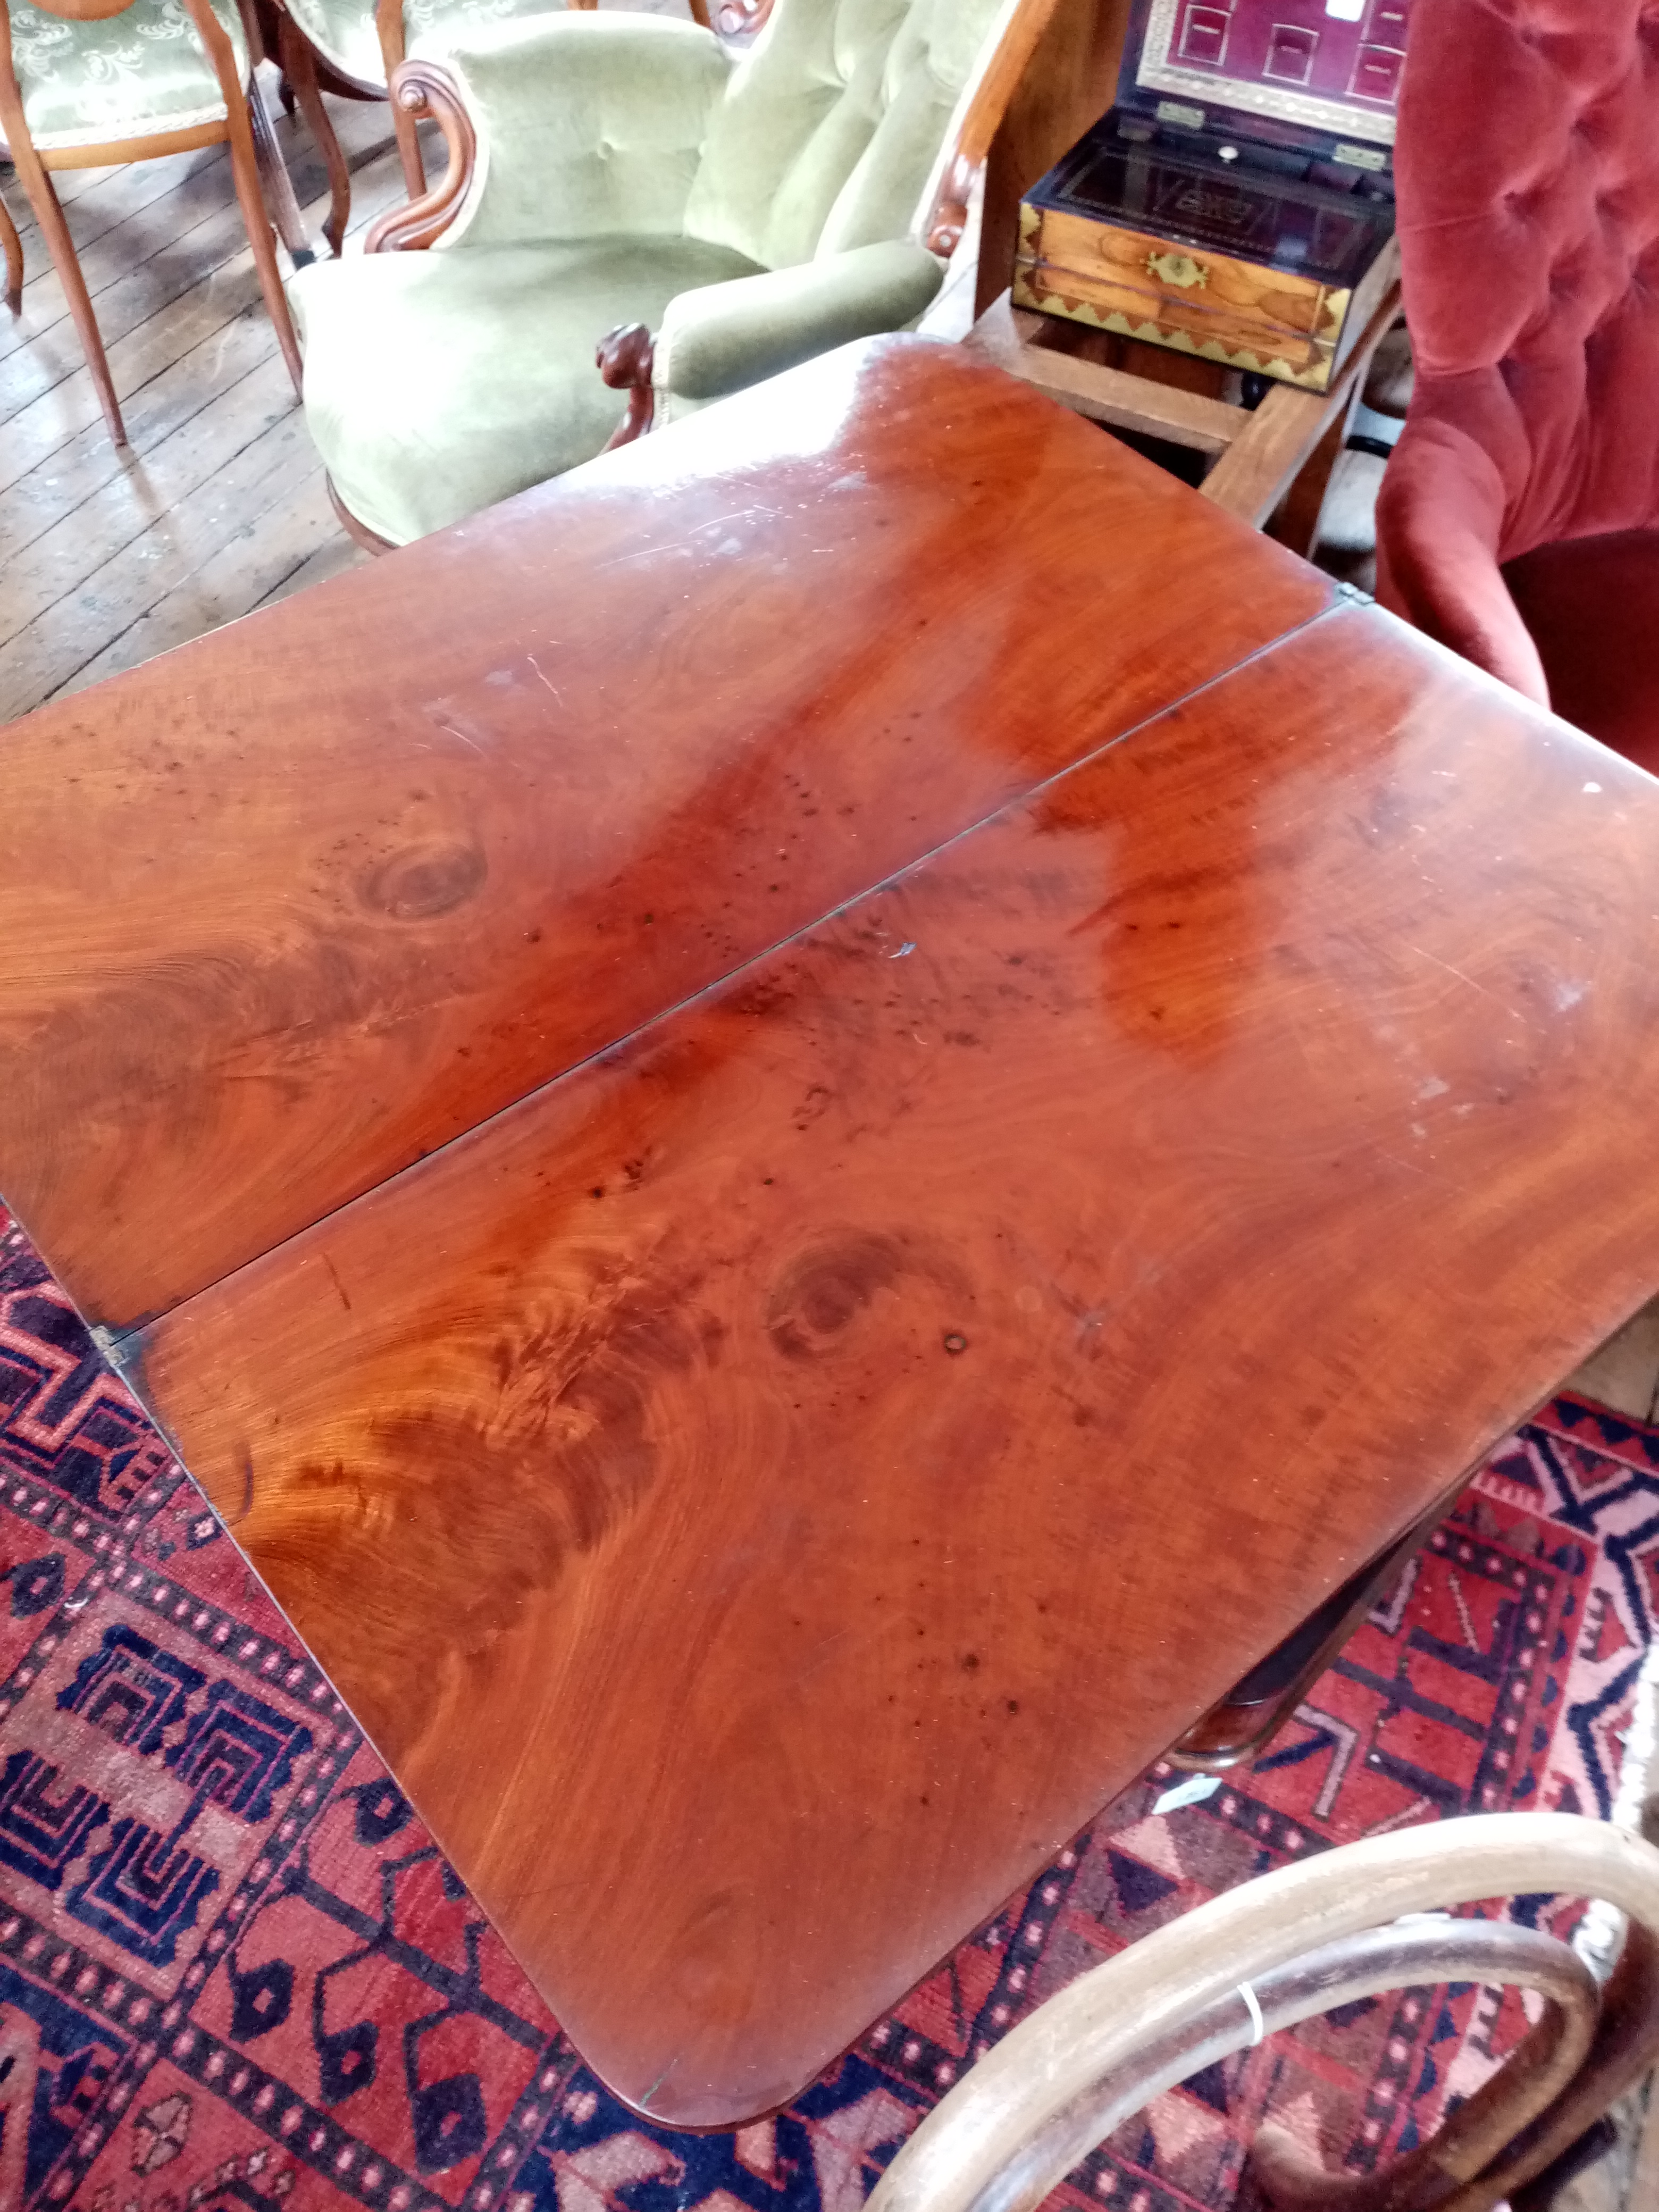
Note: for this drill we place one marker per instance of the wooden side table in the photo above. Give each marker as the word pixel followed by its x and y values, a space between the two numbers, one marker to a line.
pixel 1269 465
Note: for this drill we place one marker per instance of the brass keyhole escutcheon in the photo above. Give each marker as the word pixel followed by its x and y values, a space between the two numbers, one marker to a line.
pixel 1177 268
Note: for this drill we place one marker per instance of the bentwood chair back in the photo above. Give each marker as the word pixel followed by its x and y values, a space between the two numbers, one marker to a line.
pixel 1298 1942
pixel 350 47
pixel 86 83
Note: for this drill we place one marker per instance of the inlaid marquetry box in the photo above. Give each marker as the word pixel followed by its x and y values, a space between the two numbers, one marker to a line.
pixel 1255 229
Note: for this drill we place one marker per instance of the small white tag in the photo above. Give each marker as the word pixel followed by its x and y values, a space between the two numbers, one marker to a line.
pixel 1346 11
pixel 1193 1791
pixel 1190 118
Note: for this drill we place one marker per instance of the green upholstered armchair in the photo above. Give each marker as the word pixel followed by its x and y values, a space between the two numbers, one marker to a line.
pixel 352 47
pixel 611 169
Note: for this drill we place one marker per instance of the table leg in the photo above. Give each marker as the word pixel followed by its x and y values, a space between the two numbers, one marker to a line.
pixel 1243 1723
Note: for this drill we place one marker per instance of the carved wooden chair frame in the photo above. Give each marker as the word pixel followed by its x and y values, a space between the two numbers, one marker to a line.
pixel 1286 1948
pixel 625 355
pixel 308 74
pixel 262 189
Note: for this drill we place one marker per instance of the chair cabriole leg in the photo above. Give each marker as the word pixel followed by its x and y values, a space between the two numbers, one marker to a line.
pixel 244 168
pixel 37 183
pixel 299 71
pixel 275 181
pixel 13 247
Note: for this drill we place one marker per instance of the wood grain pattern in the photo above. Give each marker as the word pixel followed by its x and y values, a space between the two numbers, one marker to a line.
pixel 345 879
pixel 756 1492
pixel 1238 303
pixel 1245 313
pixel 98 559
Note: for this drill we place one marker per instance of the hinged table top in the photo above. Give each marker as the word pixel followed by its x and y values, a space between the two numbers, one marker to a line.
pixel 802 1134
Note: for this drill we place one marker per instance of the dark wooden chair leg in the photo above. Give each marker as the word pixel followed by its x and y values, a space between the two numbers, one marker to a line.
pixel 244 168
pixel 298 69
pixel 276 183
pixel 49 216
pixel 13 247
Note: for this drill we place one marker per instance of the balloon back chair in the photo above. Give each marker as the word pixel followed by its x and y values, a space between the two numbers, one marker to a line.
pixel 88 82
pixel 627 170
pixel 1353 1923
pixel 1518 520
pixel 351 48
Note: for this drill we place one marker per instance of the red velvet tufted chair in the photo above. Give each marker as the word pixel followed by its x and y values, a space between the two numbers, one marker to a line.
pixel 1519 519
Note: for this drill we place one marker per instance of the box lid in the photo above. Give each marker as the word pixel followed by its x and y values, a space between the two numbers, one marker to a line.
pixel 1292 224
pixel 1324 74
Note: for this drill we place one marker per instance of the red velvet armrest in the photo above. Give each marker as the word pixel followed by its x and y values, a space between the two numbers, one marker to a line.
pixel 1439 518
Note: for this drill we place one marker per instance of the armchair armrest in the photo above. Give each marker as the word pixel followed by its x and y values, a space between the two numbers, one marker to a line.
pixel 587 125
pixel 723 337
pixel 1439 519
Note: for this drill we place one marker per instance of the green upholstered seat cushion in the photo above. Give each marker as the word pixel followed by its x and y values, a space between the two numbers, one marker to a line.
pixel 438 383
pixel 344 32
pixel 141 71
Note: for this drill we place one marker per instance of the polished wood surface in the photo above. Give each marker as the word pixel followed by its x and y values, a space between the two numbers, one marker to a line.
pixel 1108 275
pixel 924 1201
pixel 758 1492
pixel 341 881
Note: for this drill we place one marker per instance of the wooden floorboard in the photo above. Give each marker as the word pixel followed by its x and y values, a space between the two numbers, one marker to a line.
pixel 108 555
pixel 136 501
pixel 80 467
pixel 281 510
pixel 106 226
pixel 217 505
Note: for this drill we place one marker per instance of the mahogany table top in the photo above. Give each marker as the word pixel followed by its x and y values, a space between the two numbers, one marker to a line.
pixel 803 1134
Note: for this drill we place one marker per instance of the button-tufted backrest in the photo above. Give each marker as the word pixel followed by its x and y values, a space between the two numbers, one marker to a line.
pixel 830 127
pixel 1528 181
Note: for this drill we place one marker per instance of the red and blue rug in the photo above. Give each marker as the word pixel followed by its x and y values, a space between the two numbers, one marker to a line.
pixel 236 1975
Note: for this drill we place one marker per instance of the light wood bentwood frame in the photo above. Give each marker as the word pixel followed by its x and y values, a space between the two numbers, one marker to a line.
pixel 1290 1946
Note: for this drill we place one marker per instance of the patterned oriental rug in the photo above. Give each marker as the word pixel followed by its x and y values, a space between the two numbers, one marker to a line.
pixel 236 1975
